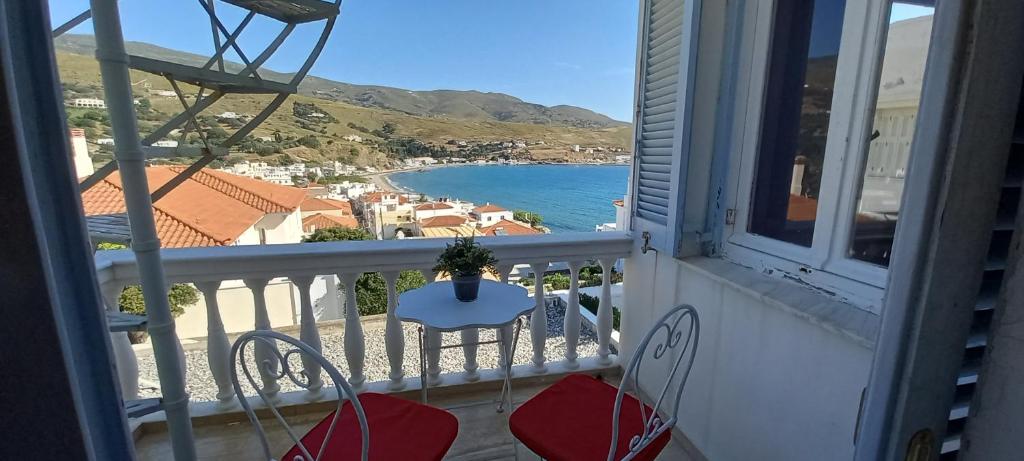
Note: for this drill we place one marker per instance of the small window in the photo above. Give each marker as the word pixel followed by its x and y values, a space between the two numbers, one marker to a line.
pixel 888 151
pixel 795 119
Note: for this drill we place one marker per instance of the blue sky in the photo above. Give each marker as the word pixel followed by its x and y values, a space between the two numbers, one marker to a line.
pixel 576 52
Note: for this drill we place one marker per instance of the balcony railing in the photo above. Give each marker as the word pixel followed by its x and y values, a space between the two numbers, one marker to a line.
pixel 256 266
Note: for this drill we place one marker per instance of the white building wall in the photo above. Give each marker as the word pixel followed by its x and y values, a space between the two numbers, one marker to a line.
pixel 768 382
pixel 238 310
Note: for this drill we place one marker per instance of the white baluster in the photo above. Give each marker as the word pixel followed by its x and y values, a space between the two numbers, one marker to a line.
pixel 572 316
pixel 539 319
pixel 505 333
pixel 604 314
pixel 433 344
pixel 264 352
pixel 470 338
pixel 394 339
pixel 218 346
pixel 125 361
pixel 355 342
pixel 308 334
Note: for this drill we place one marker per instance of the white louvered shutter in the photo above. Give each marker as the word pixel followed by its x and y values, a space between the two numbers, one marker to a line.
pixel 664 95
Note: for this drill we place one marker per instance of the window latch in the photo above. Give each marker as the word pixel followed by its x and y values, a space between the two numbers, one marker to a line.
pixel 646 236
pixel 730 216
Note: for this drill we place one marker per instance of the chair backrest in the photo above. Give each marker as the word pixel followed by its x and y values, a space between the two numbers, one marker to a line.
pixel 283 368
pixel 677 331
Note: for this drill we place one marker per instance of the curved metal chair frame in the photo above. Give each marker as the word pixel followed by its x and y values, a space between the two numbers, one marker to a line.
pixel 668 335
pixel 283 369
pixel 186 120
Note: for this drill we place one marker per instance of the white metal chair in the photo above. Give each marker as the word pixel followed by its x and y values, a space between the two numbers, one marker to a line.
pixel 584 418
pixel 401 429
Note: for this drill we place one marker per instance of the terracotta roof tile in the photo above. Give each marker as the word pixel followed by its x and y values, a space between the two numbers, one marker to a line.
pixel 488 208
pixel 324 204
pixel 210 208
pixel 322 221
pixel 506 227
pixel 443 221
pixel 377 197
pixel 433 206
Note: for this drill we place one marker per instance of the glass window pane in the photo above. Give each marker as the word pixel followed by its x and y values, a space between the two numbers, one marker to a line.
pixel 885 165
pixel 798 103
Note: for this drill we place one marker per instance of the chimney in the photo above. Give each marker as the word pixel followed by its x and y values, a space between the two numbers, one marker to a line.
pixel 80 153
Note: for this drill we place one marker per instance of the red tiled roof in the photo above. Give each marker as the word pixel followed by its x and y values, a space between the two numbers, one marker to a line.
pixel 618 202
pixel 377 197
pixel 443 221
pixel 322 221
pixel 210 208
pixel 488 208
pixel 323 204
pixel 433 206
pixel 506 227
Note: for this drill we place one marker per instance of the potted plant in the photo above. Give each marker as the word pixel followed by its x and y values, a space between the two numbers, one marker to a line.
pixel 465 261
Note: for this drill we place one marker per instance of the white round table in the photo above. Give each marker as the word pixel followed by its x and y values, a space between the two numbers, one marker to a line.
pixel 434 307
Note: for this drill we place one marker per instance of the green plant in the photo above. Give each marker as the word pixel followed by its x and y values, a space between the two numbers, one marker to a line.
pixel 590 303
pixel 557 281
pixel 334 234
pixel 530 217
pixel 371 289
pixel 179 295
pixel 465 257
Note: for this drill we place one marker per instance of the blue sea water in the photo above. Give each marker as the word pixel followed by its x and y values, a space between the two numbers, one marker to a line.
pixel 571 198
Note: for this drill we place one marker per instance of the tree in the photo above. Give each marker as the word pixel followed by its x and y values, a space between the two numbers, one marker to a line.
pixel 371 288
pixel 530 217
pixel 334 234
pixel 179 295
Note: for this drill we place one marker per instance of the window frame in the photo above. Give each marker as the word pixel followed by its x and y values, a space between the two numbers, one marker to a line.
pixel 826 264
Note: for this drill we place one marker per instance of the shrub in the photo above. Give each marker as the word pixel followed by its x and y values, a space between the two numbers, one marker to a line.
pixel 590 303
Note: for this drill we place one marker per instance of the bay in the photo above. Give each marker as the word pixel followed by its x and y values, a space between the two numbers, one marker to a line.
pixel 571 198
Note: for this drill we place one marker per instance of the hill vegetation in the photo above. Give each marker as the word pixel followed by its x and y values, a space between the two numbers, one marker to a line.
pixel 355 124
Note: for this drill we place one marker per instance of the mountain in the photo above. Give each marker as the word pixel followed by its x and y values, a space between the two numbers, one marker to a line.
pixel 466 105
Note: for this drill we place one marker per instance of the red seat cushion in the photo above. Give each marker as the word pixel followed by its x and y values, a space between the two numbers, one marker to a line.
pixel 399 430
pixel 572 420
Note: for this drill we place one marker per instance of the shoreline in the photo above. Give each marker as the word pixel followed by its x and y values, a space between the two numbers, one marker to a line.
pixel 385 184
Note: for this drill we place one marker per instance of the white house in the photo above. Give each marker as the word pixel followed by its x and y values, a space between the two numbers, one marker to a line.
pixel 489 214
pixel 89 103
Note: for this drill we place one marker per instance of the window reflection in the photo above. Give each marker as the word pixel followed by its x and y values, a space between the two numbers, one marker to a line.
pixel 798 104
pixel 884 169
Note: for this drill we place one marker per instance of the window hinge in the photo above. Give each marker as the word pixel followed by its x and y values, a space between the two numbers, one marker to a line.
pixel 730 216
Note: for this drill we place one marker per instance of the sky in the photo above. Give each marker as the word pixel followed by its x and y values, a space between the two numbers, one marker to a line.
pixel 576 52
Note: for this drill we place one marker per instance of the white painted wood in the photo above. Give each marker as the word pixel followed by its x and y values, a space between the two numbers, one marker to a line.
pixel 354 341
pixel 264 352
pixel 309 334
pixel 125 361
pixel 218 347
pixel 604 313
pixel 539 319
pixel 394 339
pixel 572 316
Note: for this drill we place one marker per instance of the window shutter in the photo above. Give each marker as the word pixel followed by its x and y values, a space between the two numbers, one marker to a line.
pixel 663 107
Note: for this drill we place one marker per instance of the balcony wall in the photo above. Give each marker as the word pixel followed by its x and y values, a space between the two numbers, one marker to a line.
pixel 779 368
pixel 228 275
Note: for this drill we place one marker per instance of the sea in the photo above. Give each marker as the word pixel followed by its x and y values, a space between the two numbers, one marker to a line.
pixel 571 198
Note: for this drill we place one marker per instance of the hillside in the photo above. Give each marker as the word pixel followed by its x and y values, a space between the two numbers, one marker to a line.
pixel 467 105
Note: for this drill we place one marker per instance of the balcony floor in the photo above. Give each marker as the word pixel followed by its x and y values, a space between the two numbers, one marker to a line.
pixel 483 433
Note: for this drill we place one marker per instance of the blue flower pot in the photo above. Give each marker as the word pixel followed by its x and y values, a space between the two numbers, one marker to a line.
pixel 467 287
